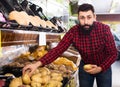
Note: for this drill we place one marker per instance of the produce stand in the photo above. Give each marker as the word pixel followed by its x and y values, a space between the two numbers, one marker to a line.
pixel 16 38
pixel 19 32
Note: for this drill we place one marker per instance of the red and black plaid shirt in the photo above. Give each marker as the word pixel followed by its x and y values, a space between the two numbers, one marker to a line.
pixel 98 47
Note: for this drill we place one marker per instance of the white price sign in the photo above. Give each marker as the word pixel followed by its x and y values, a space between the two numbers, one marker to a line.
pixel 42 38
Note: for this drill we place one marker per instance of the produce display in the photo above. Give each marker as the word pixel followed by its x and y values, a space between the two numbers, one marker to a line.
pixel 43 77
pixel 51 75
pixel 39 52
pixel 24 15
pixel 22 18
pixel 65 61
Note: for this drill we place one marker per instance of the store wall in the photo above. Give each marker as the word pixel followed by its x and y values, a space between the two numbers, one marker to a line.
pixel 113 20
pixel 108 17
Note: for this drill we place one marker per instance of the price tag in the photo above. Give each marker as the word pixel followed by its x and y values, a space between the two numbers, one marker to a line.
pixel 42 38
pixel 0 45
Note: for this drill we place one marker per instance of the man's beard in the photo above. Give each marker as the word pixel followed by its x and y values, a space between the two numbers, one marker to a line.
pixel 86 29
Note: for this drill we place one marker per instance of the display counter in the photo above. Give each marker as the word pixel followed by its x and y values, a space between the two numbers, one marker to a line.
pixel 16 42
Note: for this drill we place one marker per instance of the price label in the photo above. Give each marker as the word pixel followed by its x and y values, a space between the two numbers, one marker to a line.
pixel 0 45
pixel 42 38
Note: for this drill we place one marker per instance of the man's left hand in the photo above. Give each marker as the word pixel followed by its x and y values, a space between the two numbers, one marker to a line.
pixel 94 70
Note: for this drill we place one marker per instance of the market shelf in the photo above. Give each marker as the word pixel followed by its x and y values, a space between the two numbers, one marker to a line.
pixel 18 37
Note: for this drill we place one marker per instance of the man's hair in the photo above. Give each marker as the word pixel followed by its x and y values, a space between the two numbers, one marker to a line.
pixel 85 7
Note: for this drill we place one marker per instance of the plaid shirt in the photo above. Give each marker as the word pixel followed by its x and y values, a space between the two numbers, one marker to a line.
pixel 98 47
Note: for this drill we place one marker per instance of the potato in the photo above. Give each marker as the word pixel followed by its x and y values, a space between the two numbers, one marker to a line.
pixel 37 78
pixel 54 74
pixel 35 84
pixel 26 79
pixel 44 71
pixel 27 86
pixel 53 83
pixel 87 67
pixel 45 79
pixel 16 82
pixel 36 72
pixel 9 74
pixel 59 78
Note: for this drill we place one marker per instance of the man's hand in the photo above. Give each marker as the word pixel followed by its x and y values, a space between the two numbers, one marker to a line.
pixel 94 69
pixel 31 68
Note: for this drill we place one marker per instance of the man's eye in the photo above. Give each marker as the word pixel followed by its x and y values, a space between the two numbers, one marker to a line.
pixel 89 17
pixel 81 17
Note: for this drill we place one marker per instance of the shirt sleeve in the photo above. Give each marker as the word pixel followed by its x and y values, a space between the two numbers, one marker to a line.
pixel 110 49
pixel 59 49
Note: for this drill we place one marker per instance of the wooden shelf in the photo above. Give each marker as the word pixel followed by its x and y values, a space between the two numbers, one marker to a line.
pixel 18 37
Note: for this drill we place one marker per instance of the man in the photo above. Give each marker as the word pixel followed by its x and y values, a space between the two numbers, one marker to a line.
pixel 94 42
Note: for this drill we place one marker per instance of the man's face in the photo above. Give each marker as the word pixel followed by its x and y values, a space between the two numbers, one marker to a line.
pixel 86 19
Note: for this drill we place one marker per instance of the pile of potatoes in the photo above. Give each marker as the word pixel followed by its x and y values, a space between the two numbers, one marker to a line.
pixel 38 53
pixel 42 77
pixel 50 75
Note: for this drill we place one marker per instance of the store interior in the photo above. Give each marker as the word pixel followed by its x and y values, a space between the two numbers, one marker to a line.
pixel 30 28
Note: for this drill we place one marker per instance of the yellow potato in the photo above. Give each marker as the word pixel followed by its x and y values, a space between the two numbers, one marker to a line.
pixel 26 79
pixel 16 82
pixel 87 67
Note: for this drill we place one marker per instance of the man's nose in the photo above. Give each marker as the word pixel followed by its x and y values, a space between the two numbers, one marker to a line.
pixel 85 21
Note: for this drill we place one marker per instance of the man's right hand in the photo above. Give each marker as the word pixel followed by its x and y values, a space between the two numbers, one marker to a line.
pixel 31 67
